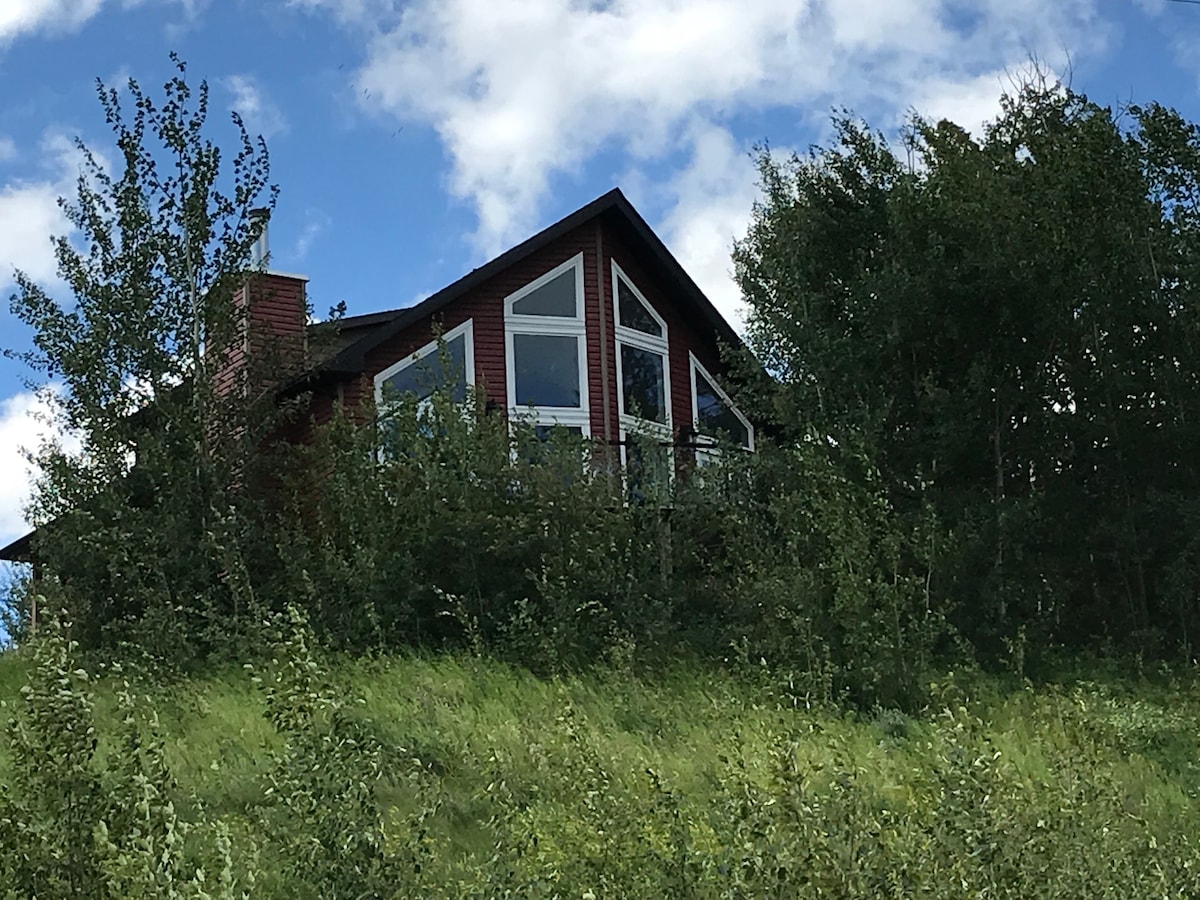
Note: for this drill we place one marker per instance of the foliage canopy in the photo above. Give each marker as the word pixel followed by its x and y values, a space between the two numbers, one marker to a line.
pixel 1005 327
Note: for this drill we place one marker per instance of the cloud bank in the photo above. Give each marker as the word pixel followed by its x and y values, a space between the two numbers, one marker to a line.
pixel 523 92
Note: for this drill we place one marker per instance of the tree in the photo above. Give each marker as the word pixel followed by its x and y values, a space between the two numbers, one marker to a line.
pixel 166 236
pixel 1005 326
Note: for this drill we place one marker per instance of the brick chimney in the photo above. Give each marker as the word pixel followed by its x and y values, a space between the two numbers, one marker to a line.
pixel 272 321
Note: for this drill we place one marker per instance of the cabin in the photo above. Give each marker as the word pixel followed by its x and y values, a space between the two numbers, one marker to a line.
pixel 591 325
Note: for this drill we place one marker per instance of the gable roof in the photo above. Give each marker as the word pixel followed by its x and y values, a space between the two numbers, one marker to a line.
pixel 612 207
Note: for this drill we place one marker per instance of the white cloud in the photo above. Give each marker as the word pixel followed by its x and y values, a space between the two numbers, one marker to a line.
pixel 352 12
pixel 1180 33
pixel 251 102
pixel 967 102
pixel 119 79
pixel 18 17
pixel 972 103
pixel 711 199
pixel 25 423
pixel 8 150
pixel 520 90
pixel 18 430
pixel 315 225
pixel 22 17
pixel 523 91
pixel 30 214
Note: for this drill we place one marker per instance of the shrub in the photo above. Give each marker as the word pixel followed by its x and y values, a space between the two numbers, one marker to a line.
pixel 73 824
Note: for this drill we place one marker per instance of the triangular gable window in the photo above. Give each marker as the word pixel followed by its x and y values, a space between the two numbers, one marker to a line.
pixel 557 297
pixel 716 416
pixel 634 313
pixel 426 371
pixel 447 365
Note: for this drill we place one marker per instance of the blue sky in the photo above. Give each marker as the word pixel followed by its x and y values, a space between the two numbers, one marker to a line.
pixel 414 140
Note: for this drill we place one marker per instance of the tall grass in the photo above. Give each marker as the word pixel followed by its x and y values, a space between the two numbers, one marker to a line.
pixel 707 783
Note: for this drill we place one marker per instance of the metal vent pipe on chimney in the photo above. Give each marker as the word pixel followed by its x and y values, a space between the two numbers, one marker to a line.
pixel 261 251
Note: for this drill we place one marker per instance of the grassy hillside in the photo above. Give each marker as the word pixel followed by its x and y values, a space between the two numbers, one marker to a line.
pixel 701 783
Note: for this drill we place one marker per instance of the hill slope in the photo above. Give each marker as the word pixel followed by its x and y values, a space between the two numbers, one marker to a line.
pixel 693 783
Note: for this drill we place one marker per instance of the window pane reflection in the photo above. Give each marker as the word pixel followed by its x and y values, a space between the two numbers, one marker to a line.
pixel 429 373
pixel 716 418
pixel 554 298
pixel 546 370
pixel 644 383
pixel 633 313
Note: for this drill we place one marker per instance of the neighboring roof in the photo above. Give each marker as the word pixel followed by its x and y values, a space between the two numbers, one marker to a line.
pixel 19 550
pixel 613 207
pixel 327 339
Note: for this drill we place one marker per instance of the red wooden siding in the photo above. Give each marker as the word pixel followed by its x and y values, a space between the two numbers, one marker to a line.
pixel 593 306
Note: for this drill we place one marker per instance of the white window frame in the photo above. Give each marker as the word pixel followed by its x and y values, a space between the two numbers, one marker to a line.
pixel 465 330
pixel 623 334
pixel 706 446
pixel 575 326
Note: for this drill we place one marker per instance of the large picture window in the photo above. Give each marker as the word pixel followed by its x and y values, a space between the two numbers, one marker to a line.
pixel 644 383
pixel 546 370
pixel 546 349
pixel 643 372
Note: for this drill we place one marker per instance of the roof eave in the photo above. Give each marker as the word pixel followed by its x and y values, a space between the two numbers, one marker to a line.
pixel 20 550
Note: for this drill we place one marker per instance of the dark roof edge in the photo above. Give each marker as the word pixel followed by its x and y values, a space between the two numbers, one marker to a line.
pixel 352 359
pixel 360 321
pixel 20 550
